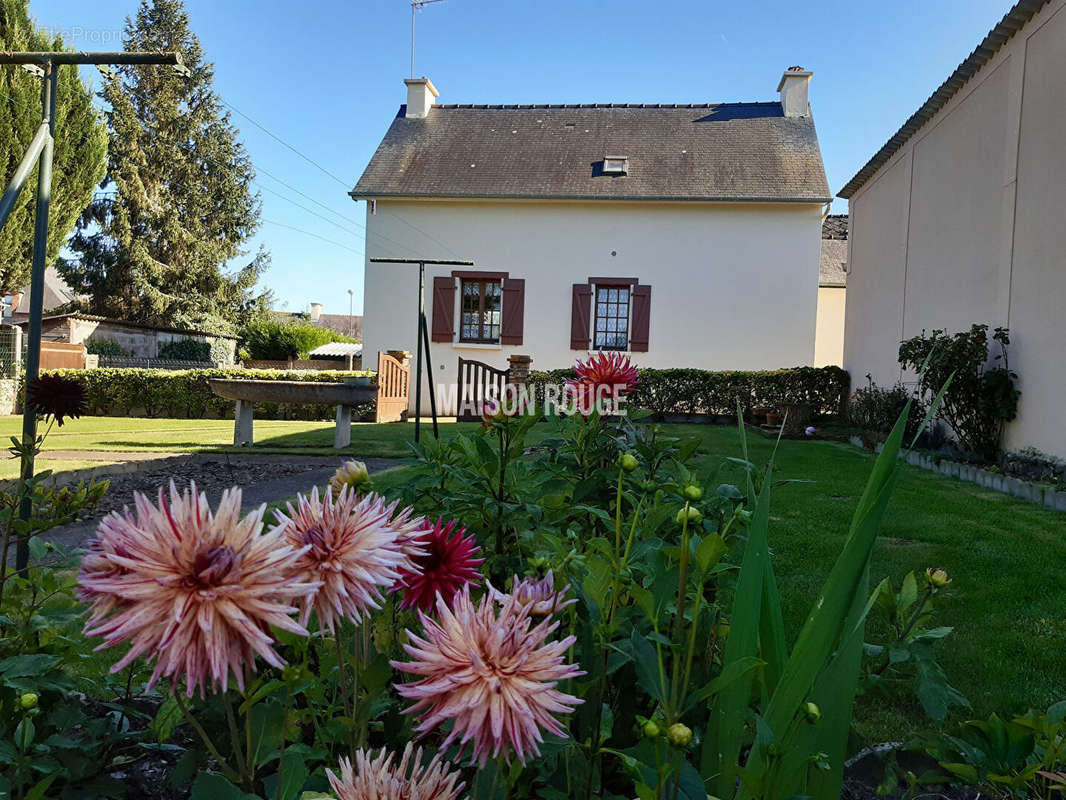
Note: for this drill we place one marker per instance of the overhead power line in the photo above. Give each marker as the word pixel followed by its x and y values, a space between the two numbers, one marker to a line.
pixel 277 138
pixel 309 233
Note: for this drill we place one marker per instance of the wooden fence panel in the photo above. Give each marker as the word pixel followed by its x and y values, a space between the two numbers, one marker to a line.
pixel 394 385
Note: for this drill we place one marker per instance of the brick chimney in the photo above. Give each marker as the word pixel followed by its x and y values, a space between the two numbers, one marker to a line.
pixel 793 89
pixel 316 311
pixel 420 96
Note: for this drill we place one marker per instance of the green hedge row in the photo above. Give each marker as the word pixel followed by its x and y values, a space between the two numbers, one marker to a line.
pixel 687 392
pixel 187 394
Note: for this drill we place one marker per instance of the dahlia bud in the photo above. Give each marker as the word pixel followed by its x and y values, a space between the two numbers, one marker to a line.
pixel 690 513
pixel 743 514
pixel 937 577
pixel 352 474
pixel 813 712
pixel 651 730
pixel 28 700
pixel 627 461
pixel 693 492
pixel 679 734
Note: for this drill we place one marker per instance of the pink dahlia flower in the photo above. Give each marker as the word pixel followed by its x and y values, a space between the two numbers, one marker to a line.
pixel 447 563
pixel 602 380
pixel 492 672
pixel 380 779
pixel 196 591
pixel 539 596
pixel 352 547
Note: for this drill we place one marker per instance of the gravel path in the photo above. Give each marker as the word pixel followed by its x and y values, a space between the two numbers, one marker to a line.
pixel 264 479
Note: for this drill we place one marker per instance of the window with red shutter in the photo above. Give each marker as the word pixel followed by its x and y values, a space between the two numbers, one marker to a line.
pixel 638 338
pixel 579 316
pixel 443 328
pixel 514 299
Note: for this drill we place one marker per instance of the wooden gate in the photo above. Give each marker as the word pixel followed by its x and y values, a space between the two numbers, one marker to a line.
pixel 477 381
pixel 394 383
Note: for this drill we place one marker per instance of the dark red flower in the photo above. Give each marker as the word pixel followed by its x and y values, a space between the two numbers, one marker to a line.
pixel 57 397
pixel 448 563
pixel 602 380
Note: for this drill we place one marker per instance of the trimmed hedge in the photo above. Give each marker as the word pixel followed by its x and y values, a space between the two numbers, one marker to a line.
pixel 187 394
pixel 687 392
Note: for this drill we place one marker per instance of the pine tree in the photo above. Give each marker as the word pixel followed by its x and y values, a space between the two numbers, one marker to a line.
pixel 178 203
pixel 80 148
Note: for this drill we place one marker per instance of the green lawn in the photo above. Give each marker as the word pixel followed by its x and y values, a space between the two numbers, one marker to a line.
pixel 1007 558
pixel 191 435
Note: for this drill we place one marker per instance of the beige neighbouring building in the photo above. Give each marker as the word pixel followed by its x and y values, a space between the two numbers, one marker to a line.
pixel 960 219
pixel 684 235
pixel 832 290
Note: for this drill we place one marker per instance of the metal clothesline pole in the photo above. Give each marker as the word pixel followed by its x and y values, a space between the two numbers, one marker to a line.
pixel 422 335
pixel 41 150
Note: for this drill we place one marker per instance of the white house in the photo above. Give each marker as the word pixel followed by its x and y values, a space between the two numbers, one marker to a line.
pixel 959 219
pixel 686 235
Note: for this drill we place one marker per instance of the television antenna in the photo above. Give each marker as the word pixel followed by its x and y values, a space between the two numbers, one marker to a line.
pixel 417 5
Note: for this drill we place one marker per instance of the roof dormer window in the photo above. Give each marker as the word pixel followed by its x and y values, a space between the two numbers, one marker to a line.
pixel 615 165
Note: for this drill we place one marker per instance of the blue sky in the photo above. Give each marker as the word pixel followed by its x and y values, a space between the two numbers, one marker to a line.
pixel 326 77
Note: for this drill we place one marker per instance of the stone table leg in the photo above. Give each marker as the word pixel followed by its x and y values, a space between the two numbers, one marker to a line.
pixel 343 435
pixel 242 425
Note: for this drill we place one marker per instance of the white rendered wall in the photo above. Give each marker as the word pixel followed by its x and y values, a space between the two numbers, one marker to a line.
pixel 734 286
pixel 966 224
pixel 829 335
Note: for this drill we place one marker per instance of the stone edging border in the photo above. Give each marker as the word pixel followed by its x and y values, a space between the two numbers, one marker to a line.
pixel 1039 493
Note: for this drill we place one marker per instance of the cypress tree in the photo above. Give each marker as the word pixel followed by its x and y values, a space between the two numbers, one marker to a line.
pixel 177 202
pixel 80 150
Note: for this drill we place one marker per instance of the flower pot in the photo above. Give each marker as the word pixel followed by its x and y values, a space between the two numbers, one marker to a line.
pixel 773 418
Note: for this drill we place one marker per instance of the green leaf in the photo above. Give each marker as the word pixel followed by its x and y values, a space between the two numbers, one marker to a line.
pixel 725 728
pixel 839 604
pixel 293 774
pixel 209 786
pixel 263 691
pixel 710 551
pixel 645 600
pixel 733 671
pixel 646 661
pixel 27 665
pixel 908 595
pixel 39 788
pixel 167 718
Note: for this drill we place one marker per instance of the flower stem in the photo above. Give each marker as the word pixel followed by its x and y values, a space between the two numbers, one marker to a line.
pixel 235 738
pixel 679 628
pixel 227 770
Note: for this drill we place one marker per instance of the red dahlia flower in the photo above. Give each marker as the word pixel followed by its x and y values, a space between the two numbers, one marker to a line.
pixel 447 563
pixel 604 377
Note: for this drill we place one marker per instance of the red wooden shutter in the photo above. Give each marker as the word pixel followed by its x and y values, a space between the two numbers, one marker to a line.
pixel 443 309
pixel 579 317
pixel 638 339
pixel 514 300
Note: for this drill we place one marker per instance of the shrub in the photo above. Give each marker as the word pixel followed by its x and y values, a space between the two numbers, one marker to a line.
pixel 1032 465
pixel 981 398
pixel 186 350
pixel 875 408
pixel 270 340
pixel 695 391
pixel 104 347
pixel 186 393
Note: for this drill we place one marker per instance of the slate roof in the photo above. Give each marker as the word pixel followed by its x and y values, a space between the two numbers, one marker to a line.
pixel 1013 21
pixel 834 251
pixel 725 152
